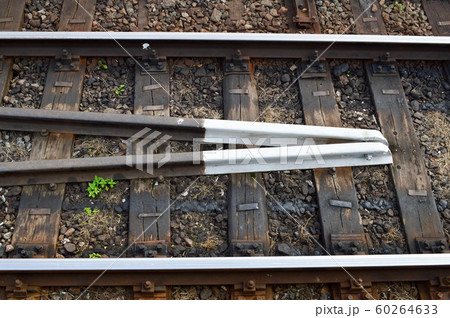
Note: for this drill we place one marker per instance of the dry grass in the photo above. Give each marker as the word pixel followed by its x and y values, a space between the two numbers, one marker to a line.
pixel 440 128
pixel 212 242
pixel 97 146
pixel 14 151
pixel 394 236
pixel 194 292
pixel 105 222
pixel 181 293
pixel 301 292
pixel 398 291
pixel 94 293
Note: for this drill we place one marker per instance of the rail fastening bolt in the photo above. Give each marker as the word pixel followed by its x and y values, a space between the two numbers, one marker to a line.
pixel 251 284
pixel 148 284
pixel 368 157
pixel 52 187
pixel 44 132
pixel 447 280
pixel 18 283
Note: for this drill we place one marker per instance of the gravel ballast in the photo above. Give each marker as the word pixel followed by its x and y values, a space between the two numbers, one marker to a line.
pixel 116 16
pixel 42 15
pixel 405 17
pixel 216 16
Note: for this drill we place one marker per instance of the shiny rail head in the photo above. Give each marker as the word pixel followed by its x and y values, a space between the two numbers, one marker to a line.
pixel 233 37
pixel 228 263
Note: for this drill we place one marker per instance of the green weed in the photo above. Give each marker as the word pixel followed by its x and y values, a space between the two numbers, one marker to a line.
pixel 101 65
pixel 120 89
pixel 99 185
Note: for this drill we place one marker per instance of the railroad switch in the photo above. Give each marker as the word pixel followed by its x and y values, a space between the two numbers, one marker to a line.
pixel 149 291
pixel 67 62
pixel 153 63
pixel 22 291
pixel 348 244
pixel 30 250
pixel 431 245
pixel 247 248
pixel 384 66
pixel 314 67
pixel 238 64
pixel 150 249
pixel 249 290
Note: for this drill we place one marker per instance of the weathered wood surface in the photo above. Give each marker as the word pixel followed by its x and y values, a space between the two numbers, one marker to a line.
pixel 367 15
pixel 241 103
pixel 76 15
pixel 419 213
pixel 438 14
pixel 45 228
pixel 11 14
pixel 11 19
pixel 320 109
pixel 150 199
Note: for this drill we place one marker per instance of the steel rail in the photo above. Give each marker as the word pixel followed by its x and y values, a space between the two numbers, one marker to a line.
pixel 223 45
pixel 179 129
pixel 227 263
pixel 224 270
pixel 211 162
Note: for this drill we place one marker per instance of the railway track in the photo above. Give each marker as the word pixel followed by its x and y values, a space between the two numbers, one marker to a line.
pixel 149 229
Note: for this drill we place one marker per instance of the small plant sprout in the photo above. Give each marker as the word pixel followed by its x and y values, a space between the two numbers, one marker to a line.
pixel 90 212
pixel 120 89
pixel 98 185
pixel 348 74
pixel 398 5
pixel 101 65
pixel 95 255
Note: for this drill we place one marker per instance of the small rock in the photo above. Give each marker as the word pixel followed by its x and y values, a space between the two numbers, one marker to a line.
pixel 69 232
pixel 9 248
pixel 340 69
pixel 216 15
pixel 285 78
pixel 7 235
pixel 200 72
pixel 415 105
pixel 35 23
pixel 390 212
pixel 205 293
pixel 168 3
pixel 70 247
pixel 415 94
pixel 189 241
pixel 374 8
pixel 283 248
